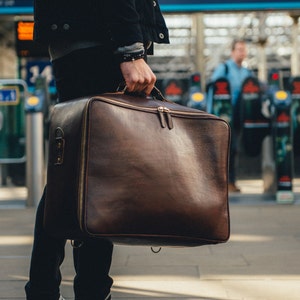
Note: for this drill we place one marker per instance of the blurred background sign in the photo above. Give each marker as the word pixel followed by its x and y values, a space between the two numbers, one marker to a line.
pixel 25 46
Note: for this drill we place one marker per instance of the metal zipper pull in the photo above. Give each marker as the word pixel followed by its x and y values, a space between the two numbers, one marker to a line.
pixel 160 110
pixel 169 118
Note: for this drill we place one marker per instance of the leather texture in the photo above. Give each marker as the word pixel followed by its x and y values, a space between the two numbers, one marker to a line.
pixel 139 171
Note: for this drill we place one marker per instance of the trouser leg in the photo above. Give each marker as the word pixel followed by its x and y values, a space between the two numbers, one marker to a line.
pixel 232 165
pixel 92 263
pixel 232 156
pixel 47 256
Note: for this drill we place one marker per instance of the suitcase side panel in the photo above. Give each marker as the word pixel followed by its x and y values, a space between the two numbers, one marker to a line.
pixel 64 167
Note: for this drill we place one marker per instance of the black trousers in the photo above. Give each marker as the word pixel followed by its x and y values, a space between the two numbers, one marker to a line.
pixel 81 73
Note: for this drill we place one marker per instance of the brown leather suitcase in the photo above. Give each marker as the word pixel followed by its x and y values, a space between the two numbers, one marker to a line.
pixel 138 171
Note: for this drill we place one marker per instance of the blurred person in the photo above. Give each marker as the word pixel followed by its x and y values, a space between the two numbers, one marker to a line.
pixel 94 45
pixel 233 70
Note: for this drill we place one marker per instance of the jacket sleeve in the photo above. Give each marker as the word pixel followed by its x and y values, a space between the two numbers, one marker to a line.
pixel 123 21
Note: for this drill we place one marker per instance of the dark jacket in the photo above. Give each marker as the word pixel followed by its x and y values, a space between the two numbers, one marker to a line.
pixel 122 21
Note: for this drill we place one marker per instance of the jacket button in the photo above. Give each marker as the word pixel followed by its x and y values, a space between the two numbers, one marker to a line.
pixel 66 26
pixel 54 27
pixel 154 3
pixel 161 36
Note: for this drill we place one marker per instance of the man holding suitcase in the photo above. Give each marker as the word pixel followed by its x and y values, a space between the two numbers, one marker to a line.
pixel 94 45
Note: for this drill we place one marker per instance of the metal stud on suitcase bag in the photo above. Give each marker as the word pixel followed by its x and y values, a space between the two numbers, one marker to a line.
pixel 136 170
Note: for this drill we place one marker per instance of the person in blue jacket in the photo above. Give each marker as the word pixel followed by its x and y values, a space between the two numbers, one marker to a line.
pixel 233 70
pixel 94 45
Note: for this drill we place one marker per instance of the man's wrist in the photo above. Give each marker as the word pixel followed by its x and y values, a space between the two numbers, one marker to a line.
pixel 130 53
pixel 126 57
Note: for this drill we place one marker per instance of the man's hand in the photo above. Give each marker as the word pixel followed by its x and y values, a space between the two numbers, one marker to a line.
pixel 138 76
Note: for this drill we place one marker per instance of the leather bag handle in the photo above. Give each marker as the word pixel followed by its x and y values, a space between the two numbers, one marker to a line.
pixel 155 93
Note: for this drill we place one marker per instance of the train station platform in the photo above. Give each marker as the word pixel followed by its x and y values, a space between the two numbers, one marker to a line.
pixel 260 261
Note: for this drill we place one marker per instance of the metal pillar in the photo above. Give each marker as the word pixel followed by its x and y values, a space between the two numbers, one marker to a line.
pixel 35 178
pixel 200 44
pixel 295 65
pixel 262 66
pixel 268 163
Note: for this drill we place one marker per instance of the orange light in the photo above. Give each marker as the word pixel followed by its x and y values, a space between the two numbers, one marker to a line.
pixel 25 31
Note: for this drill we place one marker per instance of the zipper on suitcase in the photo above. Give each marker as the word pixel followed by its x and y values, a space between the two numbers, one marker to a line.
pixel 162 111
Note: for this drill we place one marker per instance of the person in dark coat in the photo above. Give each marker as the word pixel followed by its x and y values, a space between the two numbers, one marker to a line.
pixel 94 45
